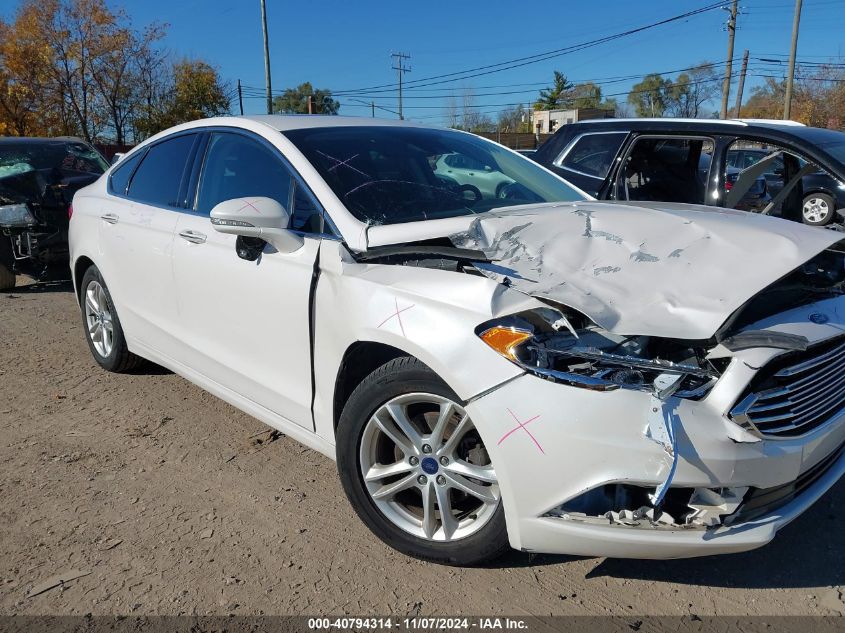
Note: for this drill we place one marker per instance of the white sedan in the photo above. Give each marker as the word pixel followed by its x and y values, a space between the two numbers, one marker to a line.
pixel 534 369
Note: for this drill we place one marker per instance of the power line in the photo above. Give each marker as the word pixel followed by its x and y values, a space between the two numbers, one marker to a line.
pixel 539 57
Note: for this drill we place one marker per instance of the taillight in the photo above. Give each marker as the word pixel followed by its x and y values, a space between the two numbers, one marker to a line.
pixel 70 212
pixel 728 185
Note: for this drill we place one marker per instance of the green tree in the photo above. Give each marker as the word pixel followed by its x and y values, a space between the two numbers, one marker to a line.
pixel 295 101
pixel 586 95
pixel 552 98
pixel 649 96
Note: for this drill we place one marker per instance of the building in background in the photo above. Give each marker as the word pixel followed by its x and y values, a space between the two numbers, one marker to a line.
pixel 549 121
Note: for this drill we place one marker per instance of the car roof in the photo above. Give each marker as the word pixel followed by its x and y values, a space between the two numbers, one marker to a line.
pixel 792 127
pixel 283 122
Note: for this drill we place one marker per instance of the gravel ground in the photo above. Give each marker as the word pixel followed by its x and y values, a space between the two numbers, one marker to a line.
pixel 172 502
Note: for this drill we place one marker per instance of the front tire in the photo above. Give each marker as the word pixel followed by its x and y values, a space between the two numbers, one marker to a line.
pixel 415 468
pixel 818 209
pixel 102 325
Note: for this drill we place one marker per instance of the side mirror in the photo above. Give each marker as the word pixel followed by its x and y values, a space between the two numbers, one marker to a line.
pixel 117 157
pixel 262 218
pixel 488 168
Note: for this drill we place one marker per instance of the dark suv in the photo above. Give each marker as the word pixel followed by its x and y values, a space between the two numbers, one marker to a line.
pixel 38 177
pixel 778 168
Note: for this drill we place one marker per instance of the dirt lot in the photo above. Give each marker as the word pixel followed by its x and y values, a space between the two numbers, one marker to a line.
pixel 177 503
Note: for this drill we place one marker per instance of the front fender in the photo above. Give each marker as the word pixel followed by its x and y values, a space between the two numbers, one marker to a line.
pixel 430 314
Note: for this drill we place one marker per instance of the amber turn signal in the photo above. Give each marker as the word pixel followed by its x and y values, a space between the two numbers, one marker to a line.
pixel 505 340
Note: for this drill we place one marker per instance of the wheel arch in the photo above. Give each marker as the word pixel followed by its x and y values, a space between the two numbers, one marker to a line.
pixel 817 190
pixel 81 264
pixel 359 360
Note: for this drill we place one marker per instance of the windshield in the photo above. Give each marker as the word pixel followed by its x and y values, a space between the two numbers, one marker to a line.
pixel 389 175
pixel 47 172
pixel 70 159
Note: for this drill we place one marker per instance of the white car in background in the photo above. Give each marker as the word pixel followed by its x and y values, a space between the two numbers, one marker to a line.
pixel 535 369
pixel 479 179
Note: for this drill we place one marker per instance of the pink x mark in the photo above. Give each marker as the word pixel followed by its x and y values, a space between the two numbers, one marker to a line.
pixel 397 315
pixel 521 425
pixel 249 204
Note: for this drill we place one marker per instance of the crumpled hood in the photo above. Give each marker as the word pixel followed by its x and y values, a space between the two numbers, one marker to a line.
pixel 656 269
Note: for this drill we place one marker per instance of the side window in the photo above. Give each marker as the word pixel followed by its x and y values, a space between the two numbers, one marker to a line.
pixel 238 167
pixel 119 179
pixel 592 154
pixel 667 170
pixel 159 176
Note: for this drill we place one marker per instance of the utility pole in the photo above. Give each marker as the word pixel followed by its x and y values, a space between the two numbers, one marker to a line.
pixel 790 78
pixel 726 83
pixel 310 104
pixel 266 57
pixel 240 98
pixel 373 108
pixel 741 84
pixel 402 68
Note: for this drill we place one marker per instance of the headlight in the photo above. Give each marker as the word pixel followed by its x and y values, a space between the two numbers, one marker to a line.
pixel 15 215
pixel 547 344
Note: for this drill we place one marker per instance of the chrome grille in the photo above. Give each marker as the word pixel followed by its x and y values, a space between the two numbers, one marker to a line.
pixel 796 393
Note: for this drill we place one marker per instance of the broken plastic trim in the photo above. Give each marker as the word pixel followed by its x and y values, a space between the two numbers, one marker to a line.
pixel 627 505
pixel 762 338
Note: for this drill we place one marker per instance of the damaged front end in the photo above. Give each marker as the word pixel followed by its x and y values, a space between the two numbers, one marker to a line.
pixel 570 349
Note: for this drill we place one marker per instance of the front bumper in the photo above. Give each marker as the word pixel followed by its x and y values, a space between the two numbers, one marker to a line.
pixel 551 443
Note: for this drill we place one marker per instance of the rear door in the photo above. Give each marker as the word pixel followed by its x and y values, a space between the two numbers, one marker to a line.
pixel 245 324
pixel 136 235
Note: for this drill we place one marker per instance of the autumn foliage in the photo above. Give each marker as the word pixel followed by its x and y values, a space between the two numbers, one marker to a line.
pixel 76 67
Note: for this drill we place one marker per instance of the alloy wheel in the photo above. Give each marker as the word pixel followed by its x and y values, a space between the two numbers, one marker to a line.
pixel 816 210
pixel 426 469
pixel 98 318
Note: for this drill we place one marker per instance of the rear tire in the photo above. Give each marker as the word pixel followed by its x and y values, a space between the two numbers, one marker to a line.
pixel 102 325
pixel 7 273
pixel 442 465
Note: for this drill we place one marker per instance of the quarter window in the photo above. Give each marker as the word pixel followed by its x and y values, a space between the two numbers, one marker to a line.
pixel 593 154
pixel 159 177
pixel 239 167
pixel 119 178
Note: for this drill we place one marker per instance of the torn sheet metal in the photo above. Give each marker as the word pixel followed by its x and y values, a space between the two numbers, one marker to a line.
pixel 661 429
pixel 645 269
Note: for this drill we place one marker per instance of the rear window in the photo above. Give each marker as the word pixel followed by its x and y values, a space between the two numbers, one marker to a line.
pixel 158 178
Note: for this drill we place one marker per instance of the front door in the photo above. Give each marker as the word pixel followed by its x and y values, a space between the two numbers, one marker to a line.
pixel 245 324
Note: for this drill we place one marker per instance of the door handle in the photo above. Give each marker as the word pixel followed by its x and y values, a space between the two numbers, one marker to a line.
pixel 111 218
pixel 194 237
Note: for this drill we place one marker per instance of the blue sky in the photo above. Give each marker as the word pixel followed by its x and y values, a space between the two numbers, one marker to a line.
pixel 346 45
